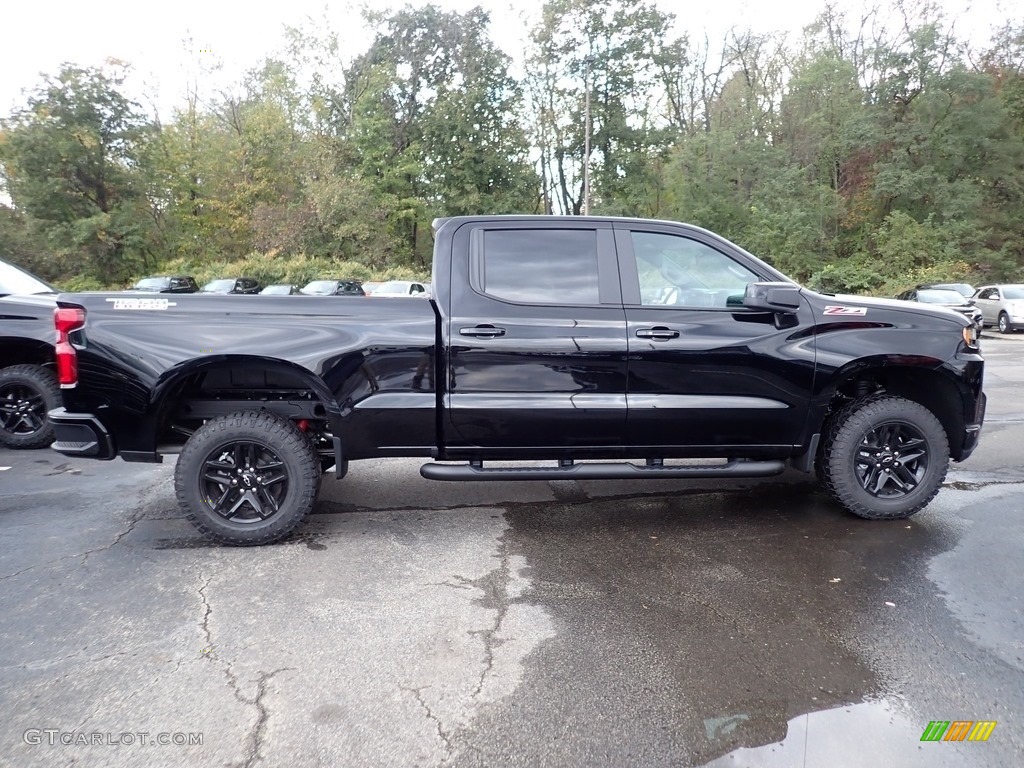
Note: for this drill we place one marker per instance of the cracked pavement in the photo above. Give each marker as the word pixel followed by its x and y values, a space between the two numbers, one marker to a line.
pixel 558 624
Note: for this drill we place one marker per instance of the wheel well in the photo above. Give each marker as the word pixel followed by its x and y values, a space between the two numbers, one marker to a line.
pixel 226 386
pixel 26 352
pixel 928 387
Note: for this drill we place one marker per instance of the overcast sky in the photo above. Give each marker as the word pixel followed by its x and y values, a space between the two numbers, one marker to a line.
pixel 41 34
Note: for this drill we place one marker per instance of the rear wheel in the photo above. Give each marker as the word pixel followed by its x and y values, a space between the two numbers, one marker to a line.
pixel 884 457
pixel 27 394
pixel 247 478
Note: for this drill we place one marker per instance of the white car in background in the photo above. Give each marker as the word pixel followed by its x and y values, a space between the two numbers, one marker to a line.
pixel 403 288
pixel 370 287
pixel 1002 306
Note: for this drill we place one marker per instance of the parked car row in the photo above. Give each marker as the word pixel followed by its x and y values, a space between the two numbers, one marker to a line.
pixel 248 285
pixel 1000 305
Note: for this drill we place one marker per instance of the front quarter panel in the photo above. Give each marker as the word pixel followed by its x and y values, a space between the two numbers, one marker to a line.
pixel 888 340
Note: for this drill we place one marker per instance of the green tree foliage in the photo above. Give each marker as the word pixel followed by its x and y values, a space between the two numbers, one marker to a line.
pixel 435 123
pixel 611 49
pixel 68 164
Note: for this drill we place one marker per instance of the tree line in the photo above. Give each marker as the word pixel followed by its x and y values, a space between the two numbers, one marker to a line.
pixel 862 155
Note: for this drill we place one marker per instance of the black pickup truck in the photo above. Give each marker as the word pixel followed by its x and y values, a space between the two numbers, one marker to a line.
pixel 609 348
pixel 28 386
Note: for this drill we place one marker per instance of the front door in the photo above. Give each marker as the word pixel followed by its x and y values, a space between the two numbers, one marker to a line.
pixel 988 302
pixel 537 338
pixel 707 375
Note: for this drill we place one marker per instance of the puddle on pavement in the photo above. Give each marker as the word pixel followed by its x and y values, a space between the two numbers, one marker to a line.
pixel 864 735
pixel 694 626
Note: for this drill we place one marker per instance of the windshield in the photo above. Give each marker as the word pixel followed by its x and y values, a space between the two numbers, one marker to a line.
pixel 963 289
pixel 219 286
pixel 277 289
pixel 321 287
pixel 14 280
pixel 152 284
pixel 1013 291
pixel 937 296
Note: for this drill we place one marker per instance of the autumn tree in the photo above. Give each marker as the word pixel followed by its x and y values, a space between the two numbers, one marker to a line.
pixel 70 162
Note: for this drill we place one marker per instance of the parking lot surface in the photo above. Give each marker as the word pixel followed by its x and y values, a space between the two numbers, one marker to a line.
pixel 557 623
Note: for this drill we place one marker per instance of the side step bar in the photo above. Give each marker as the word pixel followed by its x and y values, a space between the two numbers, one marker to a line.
pixel 600 471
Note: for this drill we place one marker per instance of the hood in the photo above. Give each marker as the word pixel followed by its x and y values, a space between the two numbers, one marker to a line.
pixel 928 310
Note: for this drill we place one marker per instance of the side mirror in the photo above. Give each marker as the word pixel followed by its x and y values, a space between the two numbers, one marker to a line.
pixel 772 297
pixel 971 302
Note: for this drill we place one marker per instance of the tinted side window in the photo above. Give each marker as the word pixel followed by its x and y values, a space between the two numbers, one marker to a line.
pixel 677 271
pixel 540 266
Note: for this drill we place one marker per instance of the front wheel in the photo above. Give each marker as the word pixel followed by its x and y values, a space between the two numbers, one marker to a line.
pixel 884 457
pixel 247 478
pixel 1004 323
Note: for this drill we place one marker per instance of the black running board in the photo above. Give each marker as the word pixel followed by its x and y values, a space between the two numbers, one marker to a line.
pixel 601 471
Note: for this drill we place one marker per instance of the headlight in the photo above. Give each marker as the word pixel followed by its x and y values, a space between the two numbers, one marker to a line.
pixel 970 333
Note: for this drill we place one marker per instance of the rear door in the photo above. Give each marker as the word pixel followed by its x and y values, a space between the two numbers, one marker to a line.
pixel 537 338
pixel 706 374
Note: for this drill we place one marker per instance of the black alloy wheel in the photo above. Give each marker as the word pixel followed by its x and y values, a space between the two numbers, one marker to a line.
pixel 27 394
pixel 883 457
pixel 246 478
pixel 892 460
pixel 244 482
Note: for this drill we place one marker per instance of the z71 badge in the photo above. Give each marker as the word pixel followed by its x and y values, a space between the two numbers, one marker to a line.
pixel 830 310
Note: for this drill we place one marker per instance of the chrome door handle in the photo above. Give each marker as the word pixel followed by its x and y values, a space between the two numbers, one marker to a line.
pixel 483 331
pixel 659 333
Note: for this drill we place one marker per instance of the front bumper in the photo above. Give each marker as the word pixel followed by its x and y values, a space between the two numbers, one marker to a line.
pixel 81 434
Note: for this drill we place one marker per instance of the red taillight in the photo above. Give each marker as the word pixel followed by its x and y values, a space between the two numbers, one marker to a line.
pixel 67 319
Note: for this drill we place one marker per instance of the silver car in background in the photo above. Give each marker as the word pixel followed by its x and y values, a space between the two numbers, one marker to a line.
pixel 1002 305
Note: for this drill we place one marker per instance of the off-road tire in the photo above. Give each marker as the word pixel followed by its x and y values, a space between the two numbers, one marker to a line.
pixel 38 385
pixel 850 439
pixel 219 452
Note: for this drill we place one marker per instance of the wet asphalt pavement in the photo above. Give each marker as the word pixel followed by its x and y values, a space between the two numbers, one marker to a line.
pixel 605 623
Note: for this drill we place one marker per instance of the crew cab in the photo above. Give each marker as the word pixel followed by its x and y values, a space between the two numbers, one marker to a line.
pixel 596 347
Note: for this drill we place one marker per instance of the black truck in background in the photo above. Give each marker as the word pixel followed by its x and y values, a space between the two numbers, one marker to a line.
pixel 28 384
pixel 611 348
